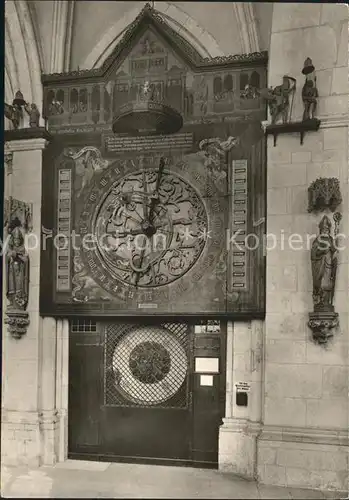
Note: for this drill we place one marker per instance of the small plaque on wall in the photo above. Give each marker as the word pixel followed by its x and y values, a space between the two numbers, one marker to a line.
pixel 207 365
pixel 206 380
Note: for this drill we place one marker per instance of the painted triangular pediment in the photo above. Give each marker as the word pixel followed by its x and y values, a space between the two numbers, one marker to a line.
pixel 150 55
pixel 149 44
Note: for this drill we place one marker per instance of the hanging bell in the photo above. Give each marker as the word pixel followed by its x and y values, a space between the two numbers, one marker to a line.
pixel 308 66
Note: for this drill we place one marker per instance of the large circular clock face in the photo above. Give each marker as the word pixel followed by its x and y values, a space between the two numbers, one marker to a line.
pixel 150 228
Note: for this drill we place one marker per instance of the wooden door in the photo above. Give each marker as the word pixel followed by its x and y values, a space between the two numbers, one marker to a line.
pixel 135 395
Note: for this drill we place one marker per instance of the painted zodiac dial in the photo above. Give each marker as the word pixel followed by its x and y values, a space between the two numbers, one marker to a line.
pixel 150 228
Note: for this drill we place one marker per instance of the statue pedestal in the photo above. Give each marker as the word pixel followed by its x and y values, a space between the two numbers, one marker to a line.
pixel 18 322
pixel 322 324
pixel 301 127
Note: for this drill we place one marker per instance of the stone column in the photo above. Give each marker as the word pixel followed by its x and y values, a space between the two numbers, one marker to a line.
pixel 47 385
pixel 241 425
pixel 62 383
pixel 23 359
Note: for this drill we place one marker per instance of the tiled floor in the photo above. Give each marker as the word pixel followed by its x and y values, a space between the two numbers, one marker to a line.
pixel 81 479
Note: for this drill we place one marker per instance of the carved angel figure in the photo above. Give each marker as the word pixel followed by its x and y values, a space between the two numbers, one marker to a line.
pixel 146 91
pixel 214 150
pixel 91 160
pixel 216 147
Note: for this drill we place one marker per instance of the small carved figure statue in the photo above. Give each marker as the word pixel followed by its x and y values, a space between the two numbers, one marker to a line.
pixel 56 108
pixel 324 267
pixel 14 112
pixel 34 115
pixel 249 92
pixel 309 91
pixel 17 267
pixel 279 99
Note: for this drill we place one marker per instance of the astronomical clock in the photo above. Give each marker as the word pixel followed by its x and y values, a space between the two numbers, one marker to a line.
pixel 154 183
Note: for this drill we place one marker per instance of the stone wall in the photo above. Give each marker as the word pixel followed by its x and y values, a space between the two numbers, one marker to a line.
pixel 20 436
pixel 34 367
pixel 304 440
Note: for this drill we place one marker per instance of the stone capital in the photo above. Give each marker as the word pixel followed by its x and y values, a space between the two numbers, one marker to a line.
pixel 27 145
pixel 27 139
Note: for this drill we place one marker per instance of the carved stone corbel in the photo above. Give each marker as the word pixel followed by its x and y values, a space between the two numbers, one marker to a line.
pixel 322 325
pixel 324 194
pixel 18 222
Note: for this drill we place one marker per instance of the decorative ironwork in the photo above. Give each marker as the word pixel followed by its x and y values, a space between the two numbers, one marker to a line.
pixel 324 193
pixel 83 326
pixel 147 366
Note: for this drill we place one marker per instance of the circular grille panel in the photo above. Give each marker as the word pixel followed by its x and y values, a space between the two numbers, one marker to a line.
pixel 150 365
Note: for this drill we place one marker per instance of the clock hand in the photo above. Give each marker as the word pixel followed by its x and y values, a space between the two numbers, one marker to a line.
pixel 128 217
pixel 145 216
pixel 140 270
pixel 130 232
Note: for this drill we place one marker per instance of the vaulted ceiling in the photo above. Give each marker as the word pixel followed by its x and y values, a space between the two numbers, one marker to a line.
pixel 61 35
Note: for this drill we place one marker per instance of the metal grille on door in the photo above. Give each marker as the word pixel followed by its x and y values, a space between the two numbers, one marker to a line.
pixel 147 365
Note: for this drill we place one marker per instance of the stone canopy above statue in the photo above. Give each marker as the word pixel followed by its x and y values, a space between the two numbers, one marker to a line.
pixel 152 53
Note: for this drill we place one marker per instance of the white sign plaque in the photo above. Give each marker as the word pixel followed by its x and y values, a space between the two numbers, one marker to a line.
pixel 207 365
pixel 206 380
pixel 242 386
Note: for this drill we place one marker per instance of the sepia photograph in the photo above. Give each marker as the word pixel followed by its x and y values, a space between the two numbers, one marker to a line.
pixel 175 250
